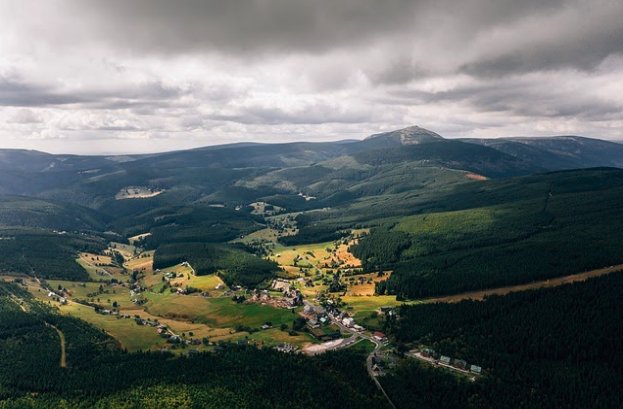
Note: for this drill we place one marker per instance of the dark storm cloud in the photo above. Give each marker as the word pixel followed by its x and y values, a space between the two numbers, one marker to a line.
pixel 519 97
pixel 18 93
pixel 248 28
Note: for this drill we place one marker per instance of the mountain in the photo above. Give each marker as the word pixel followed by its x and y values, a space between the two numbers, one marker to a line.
pixel 334 173
pixel 412 135
pixel 559 152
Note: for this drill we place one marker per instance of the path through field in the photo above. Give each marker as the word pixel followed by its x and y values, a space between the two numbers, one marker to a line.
pixel 552 282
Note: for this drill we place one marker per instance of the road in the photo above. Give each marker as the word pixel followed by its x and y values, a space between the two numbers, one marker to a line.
pixel 552 282
pixel 61 336
pixel 369 359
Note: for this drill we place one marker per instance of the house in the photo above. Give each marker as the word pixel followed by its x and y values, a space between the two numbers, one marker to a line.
pixel 265 326
pixel 475 369
pixel 445 359
pixel 427 352
pixel 459 363
pixel 348 322
pixel 379 336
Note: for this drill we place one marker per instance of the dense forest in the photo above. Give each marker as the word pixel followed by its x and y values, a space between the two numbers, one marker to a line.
pixel 235 265
pixel 44 253
pixel 99 375
pixel 559 347
pixel 508 241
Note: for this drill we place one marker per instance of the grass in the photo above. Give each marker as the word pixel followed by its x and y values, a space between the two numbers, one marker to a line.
pixel 364 347
pixel 90 291
pixel 274 336
pixel 143 262
pixel 217 312
pixel 126 250
pixel 130 335
pixel 204 283
pixel 104 272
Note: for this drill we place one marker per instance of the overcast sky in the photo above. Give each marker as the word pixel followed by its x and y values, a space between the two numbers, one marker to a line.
pixel 114 76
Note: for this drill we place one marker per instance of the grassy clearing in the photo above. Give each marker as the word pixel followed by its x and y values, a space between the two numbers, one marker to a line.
pixel 131 336
pixel 207 283
pixel 364 347
pixel 90 291
pixel 359 286
pixel 216 312
pixel 128 251
pixel 266 235
pixel 143 262
pixel 274 336
pixel 99 267
pixel 310 255
pixel 138 237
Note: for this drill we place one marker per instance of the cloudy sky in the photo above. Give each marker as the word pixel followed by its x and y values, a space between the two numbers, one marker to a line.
pixel 114 76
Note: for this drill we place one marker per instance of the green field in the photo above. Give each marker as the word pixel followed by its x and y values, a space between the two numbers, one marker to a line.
pixel 131 336
pixel 217 312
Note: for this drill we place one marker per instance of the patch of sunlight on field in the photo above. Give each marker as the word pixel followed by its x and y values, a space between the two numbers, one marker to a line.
pixel 130 335
pixel 274 336
pixel 204 283
pixel 216 312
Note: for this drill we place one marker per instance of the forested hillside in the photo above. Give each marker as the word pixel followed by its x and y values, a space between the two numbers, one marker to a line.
pixel 504 234
pixel 549 348
pixel 100 375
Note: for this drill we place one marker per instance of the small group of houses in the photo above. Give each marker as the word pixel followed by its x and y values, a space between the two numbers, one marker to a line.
pixel 349 322
pixel 454 363
pixel 286 348
pixel 61 299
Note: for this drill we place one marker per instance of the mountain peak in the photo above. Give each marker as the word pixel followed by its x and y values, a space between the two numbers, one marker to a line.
pixel 411 135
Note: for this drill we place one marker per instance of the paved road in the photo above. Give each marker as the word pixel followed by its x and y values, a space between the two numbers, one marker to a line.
pixel 369 360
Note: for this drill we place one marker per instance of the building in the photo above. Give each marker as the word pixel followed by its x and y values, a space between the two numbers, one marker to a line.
pixel 475 369
pixel 349 322
pixel 379 336
pixel 459 363
pixel 445 359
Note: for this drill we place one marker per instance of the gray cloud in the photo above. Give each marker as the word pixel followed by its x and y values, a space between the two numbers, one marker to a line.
pixel 93 69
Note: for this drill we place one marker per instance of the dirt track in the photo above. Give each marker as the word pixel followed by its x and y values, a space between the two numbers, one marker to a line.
pixel 61 336
pixel 553 282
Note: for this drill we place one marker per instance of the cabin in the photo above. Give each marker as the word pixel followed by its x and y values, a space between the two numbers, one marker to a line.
pixel 459 363
pixel 379 336
pixel 475 369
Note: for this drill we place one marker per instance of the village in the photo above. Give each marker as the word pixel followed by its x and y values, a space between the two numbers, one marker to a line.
pixel 322 301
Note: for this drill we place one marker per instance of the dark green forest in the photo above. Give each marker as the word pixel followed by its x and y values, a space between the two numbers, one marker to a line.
pixel 553 348
pixel 99 375
pixel 537 229
pixel 233 264
pixel 44 253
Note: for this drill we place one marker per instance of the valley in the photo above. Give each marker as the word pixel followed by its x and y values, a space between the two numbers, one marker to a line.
pixel 300 254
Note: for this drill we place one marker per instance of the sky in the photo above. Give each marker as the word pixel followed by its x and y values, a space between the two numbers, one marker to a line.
pixel 129 76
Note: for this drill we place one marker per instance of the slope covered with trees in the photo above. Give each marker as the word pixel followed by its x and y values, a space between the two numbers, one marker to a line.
pixel 558 347
pixel 503 233
pixel 98 374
